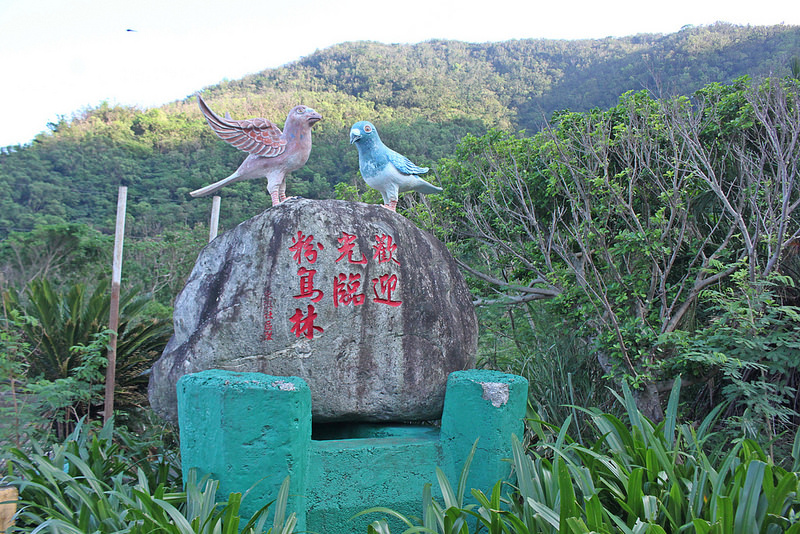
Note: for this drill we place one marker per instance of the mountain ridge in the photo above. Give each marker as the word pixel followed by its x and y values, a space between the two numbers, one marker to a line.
pixel 424 97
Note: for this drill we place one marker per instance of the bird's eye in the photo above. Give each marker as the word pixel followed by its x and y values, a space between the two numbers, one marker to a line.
pixel 301 110
pixel 368 128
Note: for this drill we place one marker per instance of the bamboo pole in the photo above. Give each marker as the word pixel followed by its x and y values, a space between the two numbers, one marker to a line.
pixel 113 320
pixel 214 224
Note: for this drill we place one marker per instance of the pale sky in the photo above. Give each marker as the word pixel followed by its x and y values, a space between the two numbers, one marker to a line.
pixel 58 57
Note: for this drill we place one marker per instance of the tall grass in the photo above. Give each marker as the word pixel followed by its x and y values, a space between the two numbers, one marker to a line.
pixel 85 485
pixel 635 478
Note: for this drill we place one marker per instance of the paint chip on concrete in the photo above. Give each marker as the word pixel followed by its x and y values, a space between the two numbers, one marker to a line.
pixel 283 385
pixel 495 392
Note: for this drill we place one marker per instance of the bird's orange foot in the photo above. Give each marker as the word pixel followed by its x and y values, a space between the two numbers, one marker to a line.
pixel 392 205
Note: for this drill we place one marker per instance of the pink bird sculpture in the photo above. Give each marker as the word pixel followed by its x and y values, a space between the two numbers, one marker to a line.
pixel 272 154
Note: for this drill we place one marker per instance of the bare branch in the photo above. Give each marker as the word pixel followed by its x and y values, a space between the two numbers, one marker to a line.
pixel 530 292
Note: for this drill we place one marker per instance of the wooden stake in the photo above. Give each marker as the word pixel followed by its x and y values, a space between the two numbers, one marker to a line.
pixel 214 224
pixel 113 320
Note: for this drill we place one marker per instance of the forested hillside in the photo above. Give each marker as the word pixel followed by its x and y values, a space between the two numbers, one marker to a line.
pixel 423 97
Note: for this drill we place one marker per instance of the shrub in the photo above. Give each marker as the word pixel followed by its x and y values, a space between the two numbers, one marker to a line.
pixel 748 351
pixel 65 335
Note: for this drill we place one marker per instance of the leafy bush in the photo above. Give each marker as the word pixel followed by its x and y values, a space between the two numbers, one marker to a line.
pixel 17 412
pixel 65 335
pixel 749 350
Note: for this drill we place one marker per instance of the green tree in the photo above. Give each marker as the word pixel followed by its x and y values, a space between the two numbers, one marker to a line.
pixel 624 217
pixel 61 252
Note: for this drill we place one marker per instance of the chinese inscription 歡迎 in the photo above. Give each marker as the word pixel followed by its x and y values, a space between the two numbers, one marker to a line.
pixel 348 286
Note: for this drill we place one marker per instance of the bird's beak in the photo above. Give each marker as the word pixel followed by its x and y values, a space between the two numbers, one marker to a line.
pixel 355 135
pixel 313 116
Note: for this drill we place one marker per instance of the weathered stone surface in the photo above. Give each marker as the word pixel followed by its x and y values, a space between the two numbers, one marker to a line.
pixel 379 353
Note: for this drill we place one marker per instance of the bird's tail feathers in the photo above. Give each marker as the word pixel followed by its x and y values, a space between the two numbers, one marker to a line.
pixel 207 190
pixel 427 188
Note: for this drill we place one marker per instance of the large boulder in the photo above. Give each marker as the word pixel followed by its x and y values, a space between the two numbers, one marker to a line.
pixel 371 311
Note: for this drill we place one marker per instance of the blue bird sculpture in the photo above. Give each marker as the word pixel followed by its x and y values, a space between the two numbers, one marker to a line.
pixel 384 169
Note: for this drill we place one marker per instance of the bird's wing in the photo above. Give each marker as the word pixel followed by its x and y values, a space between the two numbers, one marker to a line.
pixel 259 137
pixel 403 164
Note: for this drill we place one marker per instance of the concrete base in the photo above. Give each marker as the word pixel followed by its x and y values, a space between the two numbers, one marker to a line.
pixel 249 430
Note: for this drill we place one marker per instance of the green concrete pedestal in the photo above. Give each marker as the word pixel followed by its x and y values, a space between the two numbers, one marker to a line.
pixel 247 429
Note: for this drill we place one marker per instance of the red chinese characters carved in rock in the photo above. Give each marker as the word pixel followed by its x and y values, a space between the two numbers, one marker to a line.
pixel 267 307
pixel 384 249
pixel 303 325
pixel 384 286
pixel 345 287
pixel 383 294
pixel 303 247
pixel 307 289
pixel 346 246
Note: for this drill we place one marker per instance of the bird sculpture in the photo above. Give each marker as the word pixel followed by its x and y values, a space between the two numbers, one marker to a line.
pixel 384 169
pixel 272 154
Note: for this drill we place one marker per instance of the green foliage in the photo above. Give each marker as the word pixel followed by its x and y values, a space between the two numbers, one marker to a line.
pixel 161 264
pixel 62 253
pixel 70 254
pixel 67 397
pixel 357 193
pixel 657 478
pixel 90 484
pixel 620 218
pixel 749 348
pixel 637 477
pixel 66 335
pixel 17 411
